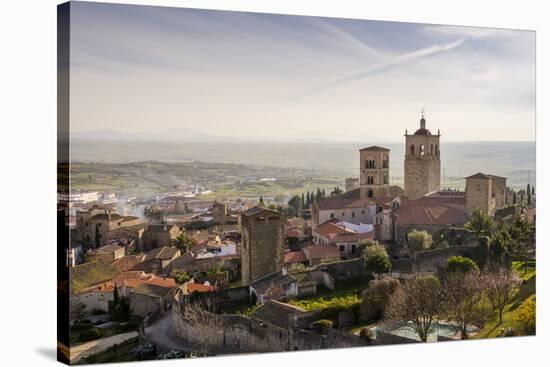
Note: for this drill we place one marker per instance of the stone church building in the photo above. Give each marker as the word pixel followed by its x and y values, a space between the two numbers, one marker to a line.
pixel 422 204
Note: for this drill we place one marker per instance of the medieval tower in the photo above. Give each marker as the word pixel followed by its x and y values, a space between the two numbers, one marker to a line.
pixel 374 172
pixel 422 162
pixel 262 241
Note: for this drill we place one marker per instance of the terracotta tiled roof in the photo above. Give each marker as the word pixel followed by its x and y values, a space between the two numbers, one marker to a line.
pixel 295 233
pixel 330 227
pixel 352 237
pixel 201 288
pixel 162 253
pixel 89 274
pixel 275 313
pixel 486 176
pixel 126 263
pixel 351 199
pixel 158 281
pixel 104 216
pixel 151 290
pixel 375 148
pixel 292 257
pixel 433 210
pixel 321 252
pixel 258 210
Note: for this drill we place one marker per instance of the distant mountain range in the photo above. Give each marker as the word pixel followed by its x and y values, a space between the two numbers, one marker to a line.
pixel 181 135
pixel 166 135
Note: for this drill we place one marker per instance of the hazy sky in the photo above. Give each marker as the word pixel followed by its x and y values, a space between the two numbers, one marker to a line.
pixel 149 70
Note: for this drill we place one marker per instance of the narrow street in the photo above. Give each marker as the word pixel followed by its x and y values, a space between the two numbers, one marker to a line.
pixel 95 346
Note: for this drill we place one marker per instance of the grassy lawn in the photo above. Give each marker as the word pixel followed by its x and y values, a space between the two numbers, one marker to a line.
pixel 344 295
pixel 116 353
pixel 527 291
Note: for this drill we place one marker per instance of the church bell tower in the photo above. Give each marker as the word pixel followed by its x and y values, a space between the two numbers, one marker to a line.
pixel 422 162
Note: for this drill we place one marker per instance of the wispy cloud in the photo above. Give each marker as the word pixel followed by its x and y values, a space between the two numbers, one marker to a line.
pixel 389 64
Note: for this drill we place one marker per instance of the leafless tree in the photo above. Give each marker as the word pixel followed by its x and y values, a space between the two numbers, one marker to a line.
pixel 206 326
pixel 463 301
pixel 416 305
pixel 500 284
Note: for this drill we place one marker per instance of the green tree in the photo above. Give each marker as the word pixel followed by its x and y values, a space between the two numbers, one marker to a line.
pixel 262 203
pixel 419 240
pixel 182 242
pixel 296 204
pixel 337 191
pixel 459 264
pixel 480 222
pixel 377 260
pixel 97 239
pixel 181 277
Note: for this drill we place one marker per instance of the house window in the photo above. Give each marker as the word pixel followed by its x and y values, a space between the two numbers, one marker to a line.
pixel 370 194
pixel 353 214
pixel 332 215
pixel 422 150
pixel 353 249
pixel 412 149
pixel 342 248
pixel 343 214
pixel 370 180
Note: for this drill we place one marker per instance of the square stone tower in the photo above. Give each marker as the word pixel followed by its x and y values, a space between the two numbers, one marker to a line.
pixel 422 162
pixel 374 171
pixel 262 240
pixel 485 192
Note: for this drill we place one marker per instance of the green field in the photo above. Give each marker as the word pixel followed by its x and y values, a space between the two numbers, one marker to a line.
pixel 527 291
pixel 225 180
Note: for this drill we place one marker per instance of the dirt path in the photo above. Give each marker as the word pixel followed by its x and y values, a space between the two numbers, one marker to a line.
pixel 86 349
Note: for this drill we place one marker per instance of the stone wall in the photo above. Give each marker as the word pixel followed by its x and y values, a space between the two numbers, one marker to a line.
pixel 222 333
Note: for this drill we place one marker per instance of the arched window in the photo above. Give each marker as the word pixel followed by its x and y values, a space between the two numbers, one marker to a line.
pixel 385 162
pixel 370 180
pixel 422 150
pixel 431 149
pixel 412 149
pixel 436 151
pixel 370 194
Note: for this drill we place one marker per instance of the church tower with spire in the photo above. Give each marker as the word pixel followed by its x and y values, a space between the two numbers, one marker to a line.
pixel 422 162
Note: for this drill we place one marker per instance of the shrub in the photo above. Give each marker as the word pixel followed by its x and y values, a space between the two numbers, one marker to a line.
pixel 461 264
pixel 375 298
pixel 143 351
pixel 98 311
pixel 126 327
pixel 419 240
pixel 81 325
pixel 181 277
pixel 377 260
pixel 526 319
pixel 323 324
pixel 90 334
